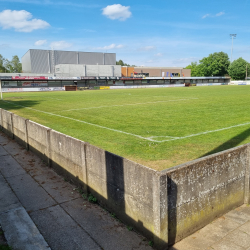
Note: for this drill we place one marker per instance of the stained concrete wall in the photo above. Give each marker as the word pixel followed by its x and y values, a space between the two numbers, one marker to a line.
pixel 38 139
pixel 20 129
pixel 202 190
pixel 67 156
pixel 7 124
pixel 123 186
pixel 165 206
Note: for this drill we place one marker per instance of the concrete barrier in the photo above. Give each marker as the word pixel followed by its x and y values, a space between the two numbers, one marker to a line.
pixel 67 157
pixel 165 206
pixel 202 190
pixel 20 129
pixel 125 188
pixel 7 124
pixel 38 140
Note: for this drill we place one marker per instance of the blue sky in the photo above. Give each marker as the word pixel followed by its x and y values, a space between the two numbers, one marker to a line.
pixel 144 33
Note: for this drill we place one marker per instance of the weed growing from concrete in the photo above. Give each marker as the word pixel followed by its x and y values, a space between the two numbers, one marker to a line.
pixel 151 243
pixel 129 228
pixel 92 198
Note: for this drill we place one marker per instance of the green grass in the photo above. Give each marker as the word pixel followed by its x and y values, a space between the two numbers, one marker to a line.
pixel 159 113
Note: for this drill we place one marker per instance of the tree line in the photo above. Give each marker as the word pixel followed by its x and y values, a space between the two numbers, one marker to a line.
pixel 12 66
pixel 218 64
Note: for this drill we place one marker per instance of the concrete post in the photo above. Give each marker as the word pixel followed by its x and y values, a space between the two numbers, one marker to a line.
pixel 247 177
pixel 12 126
pixel 160 208
pixel 26 135
pixel 48 148
pixel 84 166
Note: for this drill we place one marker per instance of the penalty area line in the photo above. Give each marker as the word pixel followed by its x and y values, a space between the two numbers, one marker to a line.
pixel 134 135
pixel 203 133
pixel 92 124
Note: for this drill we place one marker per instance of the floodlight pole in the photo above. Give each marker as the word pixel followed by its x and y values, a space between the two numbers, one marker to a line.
pixel 232 36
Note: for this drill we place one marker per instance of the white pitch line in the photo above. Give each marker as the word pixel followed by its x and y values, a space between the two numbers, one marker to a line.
pixel 203 133
pixel 92 124
pixel 132 104
pixel 138 136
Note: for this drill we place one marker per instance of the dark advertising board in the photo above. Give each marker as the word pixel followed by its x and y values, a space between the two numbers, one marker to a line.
pixel 5 77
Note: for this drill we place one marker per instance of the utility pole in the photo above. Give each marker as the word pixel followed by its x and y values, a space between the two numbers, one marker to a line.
pixel 232 36
pixel 246 71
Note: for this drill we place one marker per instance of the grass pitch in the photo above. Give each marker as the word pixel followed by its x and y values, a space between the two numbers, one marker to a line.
pixel 160 127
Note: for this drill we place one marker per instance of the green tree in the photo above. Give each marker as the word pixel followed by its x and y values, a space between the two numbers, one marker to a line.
pixel 237 69
pixel 2 63
pixel 120 62
pixel 215 64
pixel 13 66
pixel 195 69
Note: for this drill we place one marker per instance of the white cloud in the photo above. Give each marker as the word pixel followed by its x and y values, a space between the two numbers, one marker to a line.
pixel 117 11
pixel 21 21
pixel 147 48
pixel 40 42
pixel 120 46
pixel 216 15
pixel 111 46
pixel 220 13
pixel 159 54
pixel 205 16
pixel 60 45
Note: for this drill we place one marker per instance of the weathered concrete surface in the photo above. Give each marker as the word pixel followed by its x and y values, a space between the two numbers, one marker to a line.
pixel 7 122
pixel 38 139
pixel 67 155
pixel 20 129
pixel 8 200
pixel 32 196
pixel 21 232
pixel 205 189
pixel 70 222
pixel 229 232
pixel 123 186
pixel 61 231
pixel 2 151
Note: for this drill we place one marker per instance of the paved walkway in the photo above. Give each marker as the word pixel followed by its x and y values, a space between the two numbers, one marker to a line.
pixel 229 232
pixel 40 210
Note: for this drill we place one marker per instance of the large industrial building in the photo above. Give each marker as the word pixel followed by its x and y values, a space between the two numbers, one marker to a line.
pixel 70 63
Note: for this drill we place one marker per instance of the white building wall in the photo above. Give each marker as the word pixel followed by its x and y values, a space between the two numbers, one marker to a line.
pixel 71 70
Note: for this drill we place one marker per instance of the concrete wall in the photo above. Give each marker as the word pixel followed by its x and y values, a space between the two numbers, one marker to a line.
pixel 165 206
pixel 19 129
pixel 202 190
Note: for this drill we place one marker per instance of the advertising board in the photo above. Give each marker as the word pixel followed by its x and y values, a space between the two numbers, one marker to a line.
pixel 32 89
